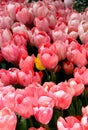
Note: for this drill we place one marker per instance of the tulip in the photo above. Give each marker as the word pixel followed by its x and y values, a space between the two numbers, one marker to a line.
pixel 23 105
pixel 5 36
pixel 26 63
pixel 45 112
pixel 76 85
pixel 70 123
pixel 48 57
pixel 5 77
pixel 62 95
pixel 20 15
pixel 7 119
pixel 81 74
pixel 7 94
pixel 76 54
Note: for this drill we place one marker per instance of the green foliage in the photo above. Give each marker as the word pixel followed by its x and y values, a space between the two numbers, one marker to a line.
pixel 32 0
pixel 80 5
pixel 21 124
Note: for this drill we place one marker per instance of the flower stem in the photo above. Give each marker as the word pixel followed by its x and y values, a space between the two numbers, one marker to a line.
pixel 47 127
pixel 31 122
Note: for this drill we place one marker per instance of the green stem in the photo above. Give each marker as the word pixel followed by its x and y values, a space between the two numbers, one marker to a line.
pixel 53 76
pixel 62 113
pixel 30 122
pixel 47 75
pixel 46 127
pixel 76 106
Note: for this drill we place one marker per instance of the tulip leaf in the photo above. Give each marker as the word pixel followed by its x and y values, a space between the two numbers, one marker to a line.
pixel 22 125
pixel 80 5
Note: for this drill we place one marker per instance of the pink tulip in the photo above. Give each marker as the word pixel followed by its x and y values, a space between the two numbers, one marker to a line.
pixel 76 54
pixel 58 34
pixel 51 20
pixel 63 99
pixel 61 49
pixel 61 25
pixel 40 39
pixel 5 36
pixel 13 75
pixel 4 76
pixel 20 15
pixel 54 5
pixel 85 14
pixel 25 79
pixel 41 23
pixel 7 94
pixel 48 57
pixel 46 101
pixel 5 22
pixel 62 95
pixel 20 39
pixel 76 85
pixel 36 91
pixel 22 52
pixel 48 85
pixel 73 34
pixel 84 123
pixel 69 123
pixel 11 8
pixel 84 119
pixel 12 53
pixel 19 28
pixel 60 31
pixel 7 119
pixel 43 114
pixel 51 7
pixel 2 6
pixel 73 24
pixel 81 74
pixel 45 106
pixel 85 110
pixel 23 105
pixel 82 30
pixel 26 63
pixel 68 67
pixel 39 7
pixel 31 33
pixel 38 77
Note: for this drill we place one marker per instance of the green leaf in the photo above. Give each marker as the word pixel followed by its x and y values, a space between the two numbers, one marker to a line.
pixel 80 5
pixel 22 125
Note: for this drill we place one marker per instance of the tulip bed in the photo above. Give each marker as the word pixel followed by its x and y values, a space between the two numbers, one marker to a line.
pixel 43 66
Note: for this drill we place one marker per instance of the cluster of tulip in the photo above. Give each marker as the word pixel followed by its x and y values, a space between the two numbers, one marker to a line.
pixel 43 66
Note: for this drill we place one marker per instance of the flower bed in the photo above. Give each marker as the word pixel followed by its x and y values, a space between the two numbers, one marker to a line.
pixel 43 66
